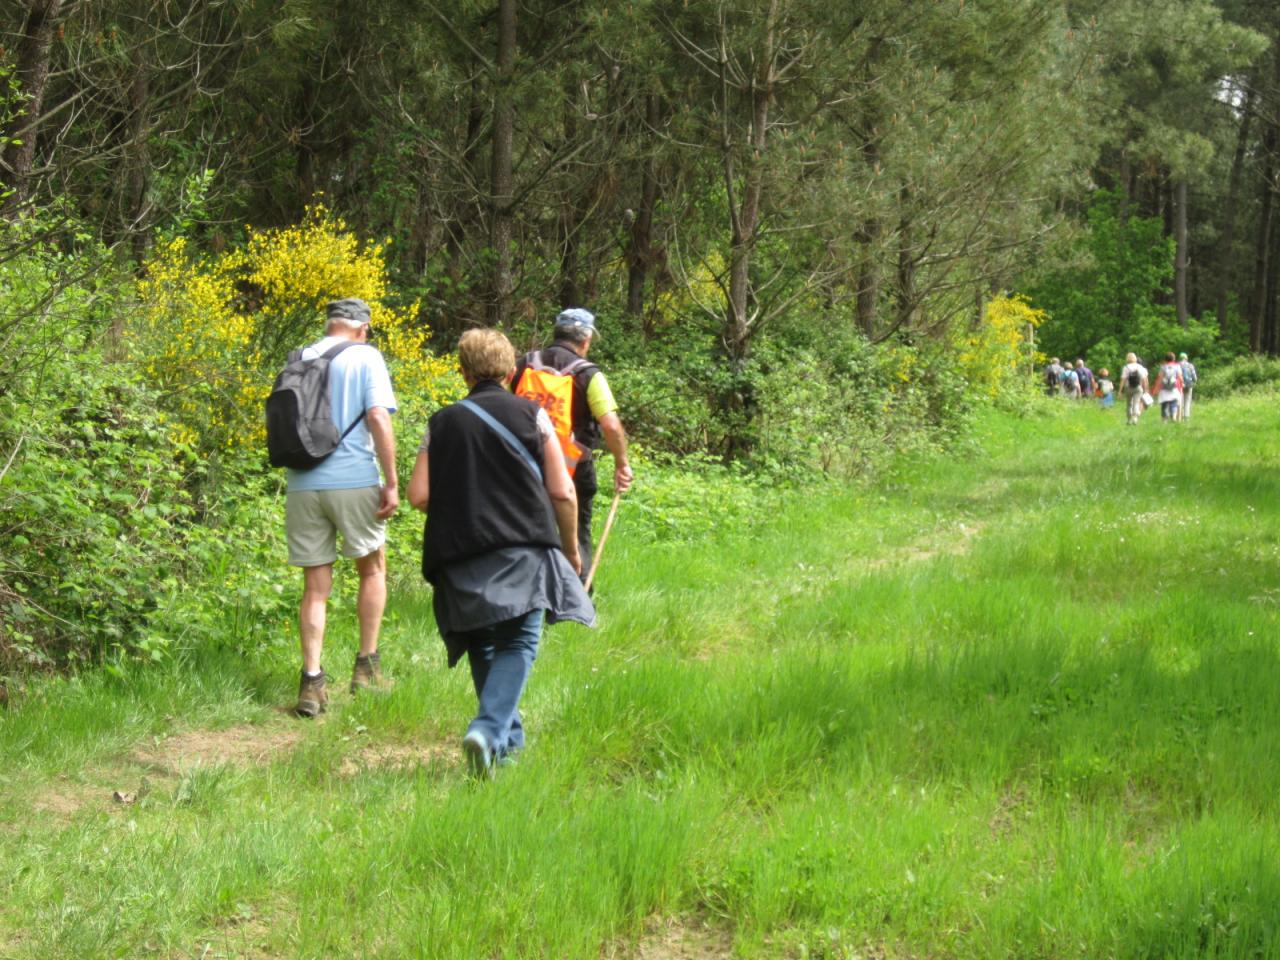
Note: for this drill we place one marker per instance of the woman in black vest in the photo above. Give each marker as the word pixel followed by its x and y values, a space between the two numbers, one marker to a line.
pixel 500 547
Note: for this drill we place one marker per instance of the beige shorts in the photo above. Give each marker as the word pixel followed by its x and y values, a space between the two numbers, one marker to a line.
pixel 313 518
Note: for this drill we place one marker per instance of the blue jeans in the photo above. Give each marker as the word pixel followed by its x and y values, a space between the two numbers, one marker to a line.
pixel 500 656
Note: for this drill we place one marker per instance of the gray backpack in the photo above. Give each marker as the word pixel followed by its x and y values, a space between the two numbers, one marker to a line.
pixel 300 428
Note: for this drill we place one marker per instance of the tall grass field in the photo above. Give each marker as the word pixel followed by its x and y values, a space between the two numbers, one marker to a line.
pixel 1023 701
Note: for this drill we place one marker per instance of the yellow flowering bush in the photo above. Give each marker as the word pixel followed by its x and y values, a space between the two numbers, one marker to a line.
pixel 213 331
pixel 993 354
pixel 700 291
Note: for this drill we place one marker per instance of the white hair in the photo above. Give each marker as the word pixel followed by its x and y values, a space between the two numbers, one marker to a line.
pixel 345 322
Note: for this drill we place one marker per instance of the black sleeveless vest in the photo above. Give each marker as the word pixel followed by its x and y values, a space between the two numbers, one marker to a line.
pixel 482 494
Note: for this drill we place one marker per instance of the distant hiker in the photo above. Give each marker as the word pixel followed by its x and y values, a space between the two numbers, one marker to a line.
pixel 1052 377
pixel 345 494
pixel 1189 379
pixel 1106 389
pixel 591 413
pixel 1133 384
pixel 1170 383
pixel 1085 376
pixel 1070 383
pixel 501 546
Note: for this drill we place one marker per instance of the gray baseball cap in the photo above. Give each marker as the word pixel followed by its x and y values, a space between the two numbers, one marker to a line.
pixel 352 308
pixel 577 319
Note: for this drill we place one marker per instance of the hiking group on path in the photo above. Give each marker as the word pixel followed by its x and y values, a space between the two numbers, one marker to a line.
pixel 1176 381
pixel 507 544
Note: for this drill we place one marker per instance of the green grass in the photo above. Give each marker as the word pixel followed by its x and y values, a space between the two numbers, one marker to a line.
pixel 1017 703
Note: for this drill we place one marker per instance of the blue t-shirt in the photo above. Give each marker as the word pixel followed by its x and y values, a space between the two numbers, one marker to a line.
pixel 358 380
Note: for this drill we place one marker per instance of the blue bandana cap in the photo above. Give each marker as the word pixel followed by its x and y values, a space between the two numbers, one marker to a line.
pixel 577 322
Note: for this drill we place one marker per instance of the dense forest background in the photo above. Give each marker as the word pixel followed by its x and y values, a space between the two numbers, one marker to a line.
pixel 815 234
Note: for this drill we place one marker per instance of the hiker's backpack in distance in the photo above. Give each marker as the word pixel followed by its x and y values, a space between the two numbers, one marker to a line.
pixel 300 428
pixel 1169 376
pixel 1135 379
pixel 552 390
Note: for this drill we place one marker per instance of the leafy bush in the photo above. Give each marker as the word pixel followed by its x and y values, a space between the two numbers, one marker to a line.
pixel 667 397
pixel 1157 332
pixel 1253 374
pixel 1105 283
pixel 993 356
pixel 691 498
pixel 111 542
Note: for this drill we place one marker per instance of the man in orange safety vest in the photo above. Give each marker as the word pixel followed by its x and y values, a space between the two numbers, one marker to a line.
pixel 580 404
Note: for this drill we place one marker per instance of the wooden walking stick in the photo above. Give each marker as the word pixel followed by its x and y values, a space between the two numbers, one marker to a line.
pixel 608 525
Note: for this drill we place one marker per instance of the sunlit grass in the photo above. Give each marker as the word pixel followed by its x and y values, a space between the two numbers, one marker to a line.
pixel 1017 703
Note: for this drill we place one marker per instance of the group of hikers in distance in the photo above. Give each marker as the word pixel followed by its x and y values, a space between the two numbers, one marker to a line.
pixel 506 478
pixel 1176 379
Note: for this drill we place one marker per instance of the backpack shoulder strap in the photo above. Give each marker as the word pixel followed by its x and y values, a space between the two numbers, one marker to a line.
pixel 536 361
pixel 337 348
pixel 329 354
pixel 508 437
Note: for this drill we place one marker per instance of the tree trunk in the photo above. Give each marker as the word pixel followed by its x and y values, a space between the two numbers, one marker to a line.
pixel 32 72
pixel 1126 186
pixel 1226 252
pixel 640 253
pixel 906 265
pixel 866 237
pixel 502 188
pixel 1180 250
pixel 138 158
pixel 1271 335
pixel 306 159
pixel 569 222
pixel 1262 248
pixel 746 219
pixel 868 293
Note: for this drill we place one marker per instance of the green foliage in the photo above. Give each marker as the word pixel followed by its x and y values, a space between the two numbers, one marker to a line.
pixel 846 408
pixel 1106 282
pixel 691 498
pixel 799 408
pixel 1253 374
pixel 111 544
pixel 667 390
pixel 1155 334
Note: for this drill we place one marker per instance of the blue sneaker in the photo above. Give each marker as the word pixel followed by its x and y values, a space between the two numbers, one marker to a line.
pixel 479 756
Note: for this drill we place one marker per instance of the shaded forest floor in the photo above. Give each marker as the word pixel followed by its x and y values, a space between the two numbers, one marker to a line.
pixel 1020 702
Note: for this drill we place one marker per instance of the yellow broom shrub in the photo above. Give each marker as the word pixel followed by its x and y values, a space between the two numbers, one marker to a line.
pixel 213 331
pixel 993 355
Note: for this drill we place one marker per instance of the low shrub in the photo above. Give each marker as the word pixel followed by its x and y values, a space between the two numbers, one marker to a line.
pixel 692 498
pixel 1251 374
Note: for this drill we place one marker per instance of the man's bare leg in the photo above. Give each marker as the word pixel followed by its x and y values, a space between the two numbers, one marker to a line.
pixel 317 582
pixel 372 599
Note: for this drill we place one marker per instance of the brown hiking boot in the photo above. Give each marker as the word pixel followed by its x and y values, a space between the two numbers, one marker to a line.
pixel 367 673
pixel 313 696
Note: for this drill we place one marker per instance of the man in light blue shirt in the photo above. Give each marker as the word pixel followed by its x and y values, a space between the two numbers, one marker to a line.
pixel 345 494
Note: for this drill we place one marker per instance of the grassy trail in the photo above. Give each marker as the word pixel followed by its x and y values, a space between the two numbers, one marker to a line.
pixel 1020 704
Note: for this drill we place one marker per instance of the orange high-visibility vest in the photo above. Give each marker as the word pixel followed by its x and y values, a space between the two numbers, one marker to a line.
pixel 552 390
